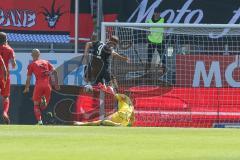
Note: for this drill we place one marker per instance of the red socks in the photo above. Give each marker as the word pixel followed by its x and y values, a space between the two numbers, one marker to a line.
pixel 6 105
pixel 43 108
pixel 37 113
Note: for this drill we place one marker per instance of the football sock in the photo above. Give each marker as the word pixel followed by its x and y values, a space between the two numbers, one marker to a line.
pixel 37 113
pixel 6 105
pixel 43 108
pixel 40 122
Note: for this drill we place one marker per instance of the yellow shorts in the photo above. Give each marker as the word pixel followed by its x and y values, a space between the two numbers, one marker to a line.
pixel 121 117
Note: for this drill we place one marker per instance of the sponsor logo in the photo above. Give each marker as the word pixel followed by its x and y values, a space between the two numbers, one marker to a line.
pixel 183 15
pixel 52 16
pixel 214 71
pixel 17 18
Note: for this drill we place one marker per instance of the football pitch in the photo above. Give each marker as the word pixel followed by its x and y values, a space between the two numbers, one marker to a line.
pixel 117 143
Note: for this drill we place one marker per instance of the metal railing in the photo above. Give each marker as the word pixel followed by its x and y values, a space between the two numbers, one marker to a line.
pixel 20 47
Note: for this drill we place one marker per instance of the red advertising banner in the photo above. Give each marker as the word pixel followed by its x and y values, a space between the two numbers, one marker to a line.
pixel 37 15
pixel 208 71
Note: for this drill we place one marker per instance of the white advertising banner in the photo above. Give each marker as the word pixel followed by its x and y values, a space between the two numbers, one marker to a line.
pixel 68 65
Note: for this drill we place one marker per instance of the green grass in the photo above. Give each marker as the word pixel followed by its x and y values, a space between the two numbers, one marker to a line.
pixel 117 143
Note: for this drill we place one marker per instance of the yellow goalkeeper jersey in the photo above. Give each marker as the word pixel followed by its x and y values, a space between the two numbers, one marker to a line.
pixel 125 113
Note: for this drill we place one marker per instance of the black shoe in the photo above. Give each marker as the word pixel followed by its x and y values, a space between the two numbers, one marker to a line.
pixel 5 118
pixel 49 118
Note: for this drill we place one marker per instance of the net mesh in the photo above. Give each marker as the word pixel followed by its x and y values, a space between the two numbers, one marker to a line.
pixel 191 80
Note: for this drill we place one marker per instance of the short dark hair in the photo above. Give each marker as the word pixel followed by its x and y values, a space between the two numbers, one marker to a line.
pixel 156 11
pixel 94 36
pixel 3 37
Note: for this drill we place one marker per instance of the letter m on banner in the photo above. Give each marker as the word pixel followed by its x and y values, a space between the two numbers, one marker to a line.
pixel 207 71
pixel 200 71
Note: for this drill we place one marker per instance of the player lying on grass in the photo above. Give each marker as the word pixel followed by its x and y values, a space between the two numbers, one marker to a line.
pixel 124 116
pixel 42 70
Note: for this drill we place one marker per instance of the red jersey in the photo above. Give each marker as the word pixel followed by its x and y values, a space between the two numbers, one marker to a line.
pixel 41 69
pixel 7 54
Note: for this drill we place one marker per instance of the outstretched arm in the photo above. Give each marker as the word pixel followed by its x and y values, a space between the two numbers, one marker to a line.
pixel 120 57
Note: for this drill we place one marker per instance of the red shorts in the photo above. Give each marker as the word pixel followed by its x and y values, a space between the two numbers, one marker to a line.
pixel 5 92
pixel 42 89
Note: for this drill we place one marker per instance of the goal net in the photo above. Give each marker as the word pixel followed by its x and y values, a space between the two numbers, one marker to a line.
pixel 189 79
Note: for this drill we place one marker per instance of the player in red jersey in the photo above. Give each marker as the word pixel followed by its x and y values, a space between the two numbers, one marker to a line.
pixel 3 74
pixel 42 70
pixel 7 54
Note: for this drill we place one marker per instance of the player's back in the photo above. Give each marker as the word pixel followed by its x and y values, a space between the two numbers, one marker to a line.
pixel 41 69
pixel 7 54
pixel 101 51
pixel 96 63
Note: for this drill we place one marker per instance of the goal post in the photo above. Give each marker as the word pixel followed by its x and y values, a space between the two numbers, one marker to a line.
pixel 192 78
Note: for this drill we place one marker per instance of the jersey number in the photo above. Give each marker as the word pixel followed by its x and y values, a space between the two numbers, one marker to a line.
pixel 100 47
